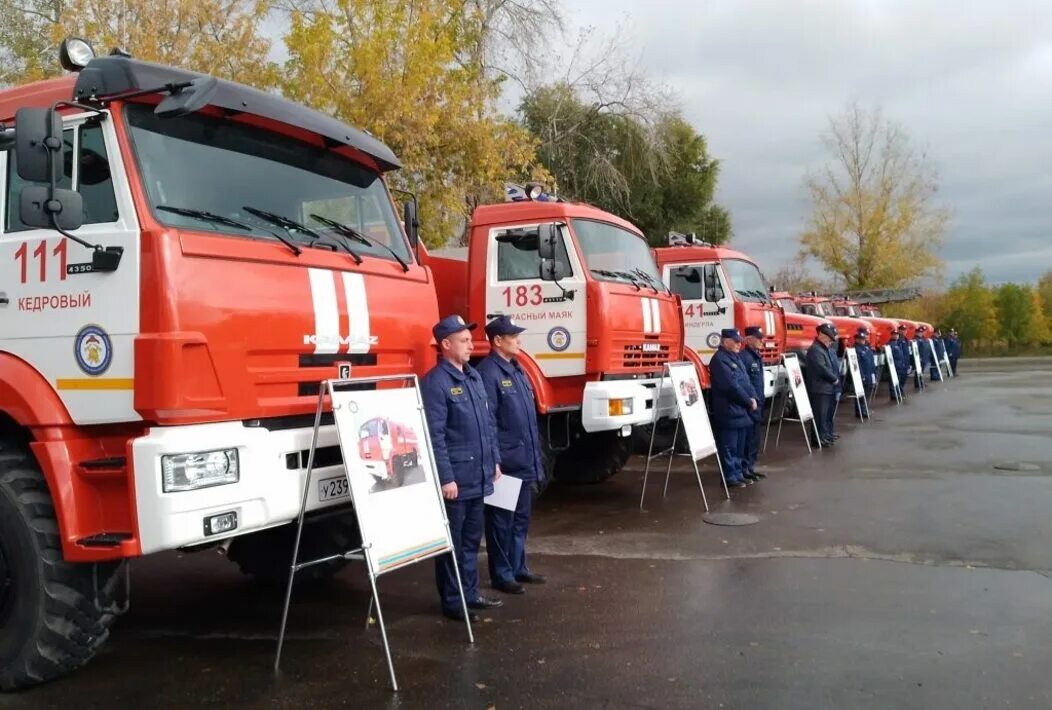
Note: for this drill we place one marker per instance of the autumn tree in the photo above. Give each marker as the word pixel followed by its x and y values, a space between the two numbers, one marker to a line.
pixel 969 307
pixel 874 221
pixel 1014 313
pixel 1044 288
pixel 615 152
pixel 411 72
pixel 223 38
pixel 27 50
pixel 1040 329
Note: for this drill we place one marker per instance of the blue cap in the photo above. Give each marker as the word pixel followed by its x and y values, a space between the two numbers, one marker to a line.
pixel 731 333
pixel 862 333
pixel 827 329
pixel 755 331
pixel 503 325
pixel 449 325
pixel 902 326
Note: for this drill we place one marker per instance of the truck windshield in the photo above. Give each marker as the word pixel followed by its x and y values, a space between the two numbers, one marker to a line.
pixel 615 254
pixel 847 311
pixel 203 164
pixel 788 305
pixel 746 280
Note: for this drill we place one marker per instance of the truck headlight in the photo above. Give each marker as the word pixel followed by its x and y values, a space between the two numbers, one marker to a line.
pixel 188 472
pixel 619 407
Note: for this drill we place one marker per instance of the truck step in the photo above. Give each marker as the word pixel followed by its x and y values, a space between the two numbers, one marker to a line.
pixel 106 539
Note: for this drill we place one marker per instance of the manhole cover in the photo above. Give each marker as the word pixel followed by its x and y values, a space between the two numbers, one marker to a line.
pixel 730 519
pixel 1017 466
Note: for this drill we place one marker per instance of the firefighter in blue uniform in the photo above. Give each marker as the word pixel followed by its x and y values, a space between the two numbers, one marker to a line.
pixel 925 357
pixel 512 400
pixel 823 380
pixel 940 353
pixel 867 367
pixel 464 437
pixel 953 349
pixel 752 357
pixel 900 349
pixel 733 401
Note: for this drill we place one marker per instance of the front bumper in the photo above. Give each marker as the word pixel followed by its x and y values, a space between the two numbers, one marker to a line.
pixel 646 395
pixel 268 492
pixel 775 380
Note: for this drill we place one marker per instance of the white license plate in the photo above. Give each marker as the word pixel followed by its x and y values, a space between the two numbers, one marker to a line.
pixel 332 488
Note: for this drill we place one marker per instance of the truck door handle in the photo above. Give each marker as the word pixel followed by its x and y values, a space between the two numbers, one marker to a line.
pixel 3 299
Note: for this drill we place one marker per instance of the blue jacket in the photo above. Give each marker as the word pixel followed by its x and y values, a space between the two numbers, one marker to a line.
pixel 867 363
pixel 925 351
pixel 953 347
pixel 731 391
pixel 753 362
pixel 512 400
pixel 940 348
pixel 463 429
pixel 901 353
pixel 823 370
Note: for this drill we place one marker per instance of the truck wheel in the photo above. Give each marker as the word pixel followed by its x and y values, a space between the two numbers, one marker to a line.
pixel 266 555
pixel 399 469
pixel 52 621
pixel 548 457
pixel 593 458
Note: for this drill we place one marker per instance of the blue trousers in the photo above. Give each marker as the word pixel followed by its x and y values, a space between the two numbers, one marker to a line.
pixel 506 538
pixel 752 447
pixel 953 364
pixel 732 443
pixel 823 405
pixel 465 526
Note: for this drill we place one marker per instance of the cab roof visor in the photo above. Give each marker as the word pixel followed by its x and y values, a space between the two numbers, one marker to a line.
pixel 110 77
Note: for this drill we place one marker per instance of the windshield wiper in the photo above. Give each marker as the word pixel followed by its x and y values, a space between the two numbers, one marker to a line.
pixel 624 275
pixel 214 218
pixel 352 233
pixel 647 277
pixel 291 225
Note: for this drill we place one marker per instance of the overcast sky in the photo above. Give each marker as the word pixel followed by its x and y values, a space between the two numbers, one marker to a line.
pixel 759 79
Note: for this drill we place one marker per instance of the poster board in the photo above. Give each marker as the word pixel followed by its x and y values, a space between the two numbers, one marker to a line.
pixel 935 359
pixel 391 473
pixel 797 386
pixel 946 361
pixel 892 371
pixel 694 418
pixel 915 350
pixel 856 372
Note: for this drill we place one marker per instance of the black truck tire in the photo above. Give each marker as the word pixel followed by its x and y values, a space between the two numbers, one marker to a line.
pixel 593 458
pixel 52 619
pixel 266 555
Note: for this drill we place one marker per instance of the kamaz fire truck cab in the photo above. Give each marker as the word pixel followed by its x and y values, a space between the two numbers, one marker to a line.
pixel 600 324
pixel 800 328
pixel 182 262
pixel 722 288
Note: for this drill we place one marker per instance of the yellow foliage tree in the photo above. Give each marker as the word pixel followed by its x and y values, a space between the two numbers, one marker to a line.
pixel 873 219
pixel 219 37
pixel 1040 329
pixel 412 73
pixel 223 38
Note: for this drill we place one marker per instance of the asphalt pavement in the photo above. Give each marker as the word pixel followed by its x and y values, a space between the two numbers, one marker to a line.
pixel 907 567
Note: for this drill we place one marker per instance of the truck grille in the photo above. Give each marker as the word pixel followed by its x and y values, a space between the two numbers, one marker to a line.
pixel 646 355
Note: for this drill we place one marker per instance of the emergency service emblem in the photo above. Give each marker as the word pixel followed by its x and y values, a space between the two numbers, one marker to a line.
pixel 93 350
pixel 713 340
pixel 558 338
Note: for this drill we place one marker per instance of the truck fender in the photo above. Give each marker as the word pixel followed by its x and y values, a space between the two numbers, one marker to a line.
pixel 542 388
pixel 702 369
pixel 30 400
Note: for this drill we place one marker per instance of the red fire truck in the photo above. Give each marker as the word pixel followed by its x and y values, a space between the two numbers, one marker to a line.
pixel 722 288
pixel 600 323
pixel 388 449
pixel 800 328
pixel 183 261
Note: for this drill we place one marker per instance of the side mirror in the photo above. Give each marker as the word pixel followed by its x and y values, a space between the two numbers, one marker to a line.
pixel 188 100
pixel 548 239
pixel 38 143
pixel 412 223
pixel 35 208
pixel 552 270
